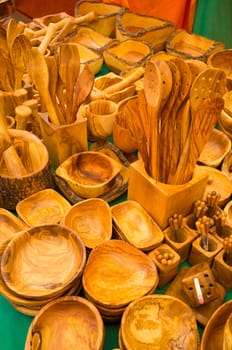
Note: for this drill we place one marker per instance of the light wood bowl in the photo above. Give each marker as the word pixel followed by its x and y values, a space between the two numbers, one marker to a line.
pixel 31 262
pixel 134 225
pixel 226 166
pixel 89 174
pixel 89 57
pixel 131 25
pixel 154 322
pixel 216 149
pixel 222 60
pixel 91 219
pixel 190 45
pixel 43 207
pixel 214 333
pixel 65 323
pixel 127 54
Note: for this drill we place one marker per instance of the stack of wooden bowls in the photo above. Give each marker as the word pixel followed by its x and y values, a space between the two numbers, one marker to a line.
pixel 40 264
pixel 117 273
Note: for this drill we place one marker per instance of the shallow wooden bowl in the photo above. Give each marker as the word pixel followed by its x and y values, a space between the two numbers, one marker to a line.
pixel 117 273
pixel 154 322
pixel 131 25
pixel 92 220
pixel 89 174
pixel 225 122
pixel 190 45
pixel 35 158
pixel 126 54
pixel 65 323
pixel 89 57
pixel 214 333
pixel 216 149
pixel 134 225
pixel 226 166
pixel 43 207
pixel 31 262
pixel 106 15
pixel 222 60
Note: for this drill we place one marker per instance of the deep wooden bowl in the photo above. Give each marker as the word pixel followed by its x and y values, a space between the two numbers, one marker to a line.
pixel 66 323
pixel 31 262
pixel 91 219
pixel 154 322
pixel 223 60
pixel 89 174
pixel 134 225
pixel 88 57
pixel 43 207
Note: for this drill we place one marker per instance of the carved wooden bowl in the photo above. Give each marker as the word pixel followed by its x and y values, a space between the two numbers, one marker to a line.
pixel 131 25
pixel 43 207
pixel 117 273
pixel 66 323
pixel 92 59
pixel 133 224
pixel 228 211
pixel 127 54
pixel 222 60
pixel 31 262
pixel 89 174
pixel 226 166
pixel 190 45
pixel 154 322
pixel 215 335
pixel 216 149
pixel 91 219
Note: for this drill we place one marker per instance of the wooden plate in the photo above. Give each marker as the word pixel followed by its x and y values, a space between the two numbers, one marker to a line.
pixel 159 322
pixel 43 261
pixel 116 273
pixel 43 207
pixel 66 323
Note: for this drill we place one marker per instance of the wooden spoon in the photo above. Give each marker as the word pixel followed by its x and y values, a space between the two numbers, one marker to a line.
pixel 153 93
pixel 17 59
pixel 40 77
pixel 13 29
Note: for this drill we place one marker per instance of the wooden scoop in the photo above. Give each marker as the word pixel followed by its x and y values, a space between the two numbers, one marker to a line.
pixel 17 59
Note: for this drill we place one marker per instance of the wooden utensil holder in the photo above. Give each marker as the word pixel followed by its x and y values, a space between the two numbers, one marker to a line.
pixel 167 270
pixel 222 271
pixel 63 140
pixel 199 255
pixel 162 200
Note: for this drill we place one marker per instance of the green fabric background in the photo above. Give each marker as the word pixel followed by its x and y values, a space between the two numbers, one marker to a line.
pixel 214 20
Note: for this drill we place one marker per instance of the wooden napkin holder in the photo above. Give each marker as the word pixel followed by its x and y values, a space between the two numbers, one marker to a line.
pixel 162 200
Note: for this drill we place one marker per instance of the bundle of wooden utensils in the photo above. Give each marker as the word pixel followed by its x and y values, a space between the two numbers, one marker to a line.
pixel 174 115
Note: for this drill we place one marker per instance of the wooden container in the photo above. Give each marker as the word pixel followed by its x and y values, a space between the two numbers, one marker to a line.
pixel 63 140
pixel 130 25
pixel 162 200
pixel 222 60
pixel 222 271
pixel 199 255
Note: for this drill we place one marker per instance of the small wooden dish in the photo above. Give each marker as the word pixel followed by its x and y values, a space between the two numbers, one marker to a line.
pixel 127 54
pixel 89 57
pixel 30 264
pixel 216 149
pixel 226 166
pixel 154 322
pixel 65 323
pixel 189 45
pixel 43 207
pixel 89 174
pixel 134 225
pixel 106 15
pixel 92 220
pixel 131 25
pixel 223 60
pixel 214 332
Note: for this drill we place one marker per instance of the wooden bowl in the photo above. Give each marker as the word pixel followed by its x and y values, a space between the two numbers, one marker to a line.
pixel 89 174
pixel 31 262
pixel 117 273
pixel 222 60
pixel 43 207
pixel 154 322
pixel 216 149
pixel 89 57
pixel 226 166
pixel 214 336
pixel 134 225
pixel 92 220
pixel 228 211
pixel 131 25
pixel 190 45
pixel 44 21
pixel 106 15
pixel 127 54
pixel 225 123
pixel 35 158
pixel 100 116
pixel 65 323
